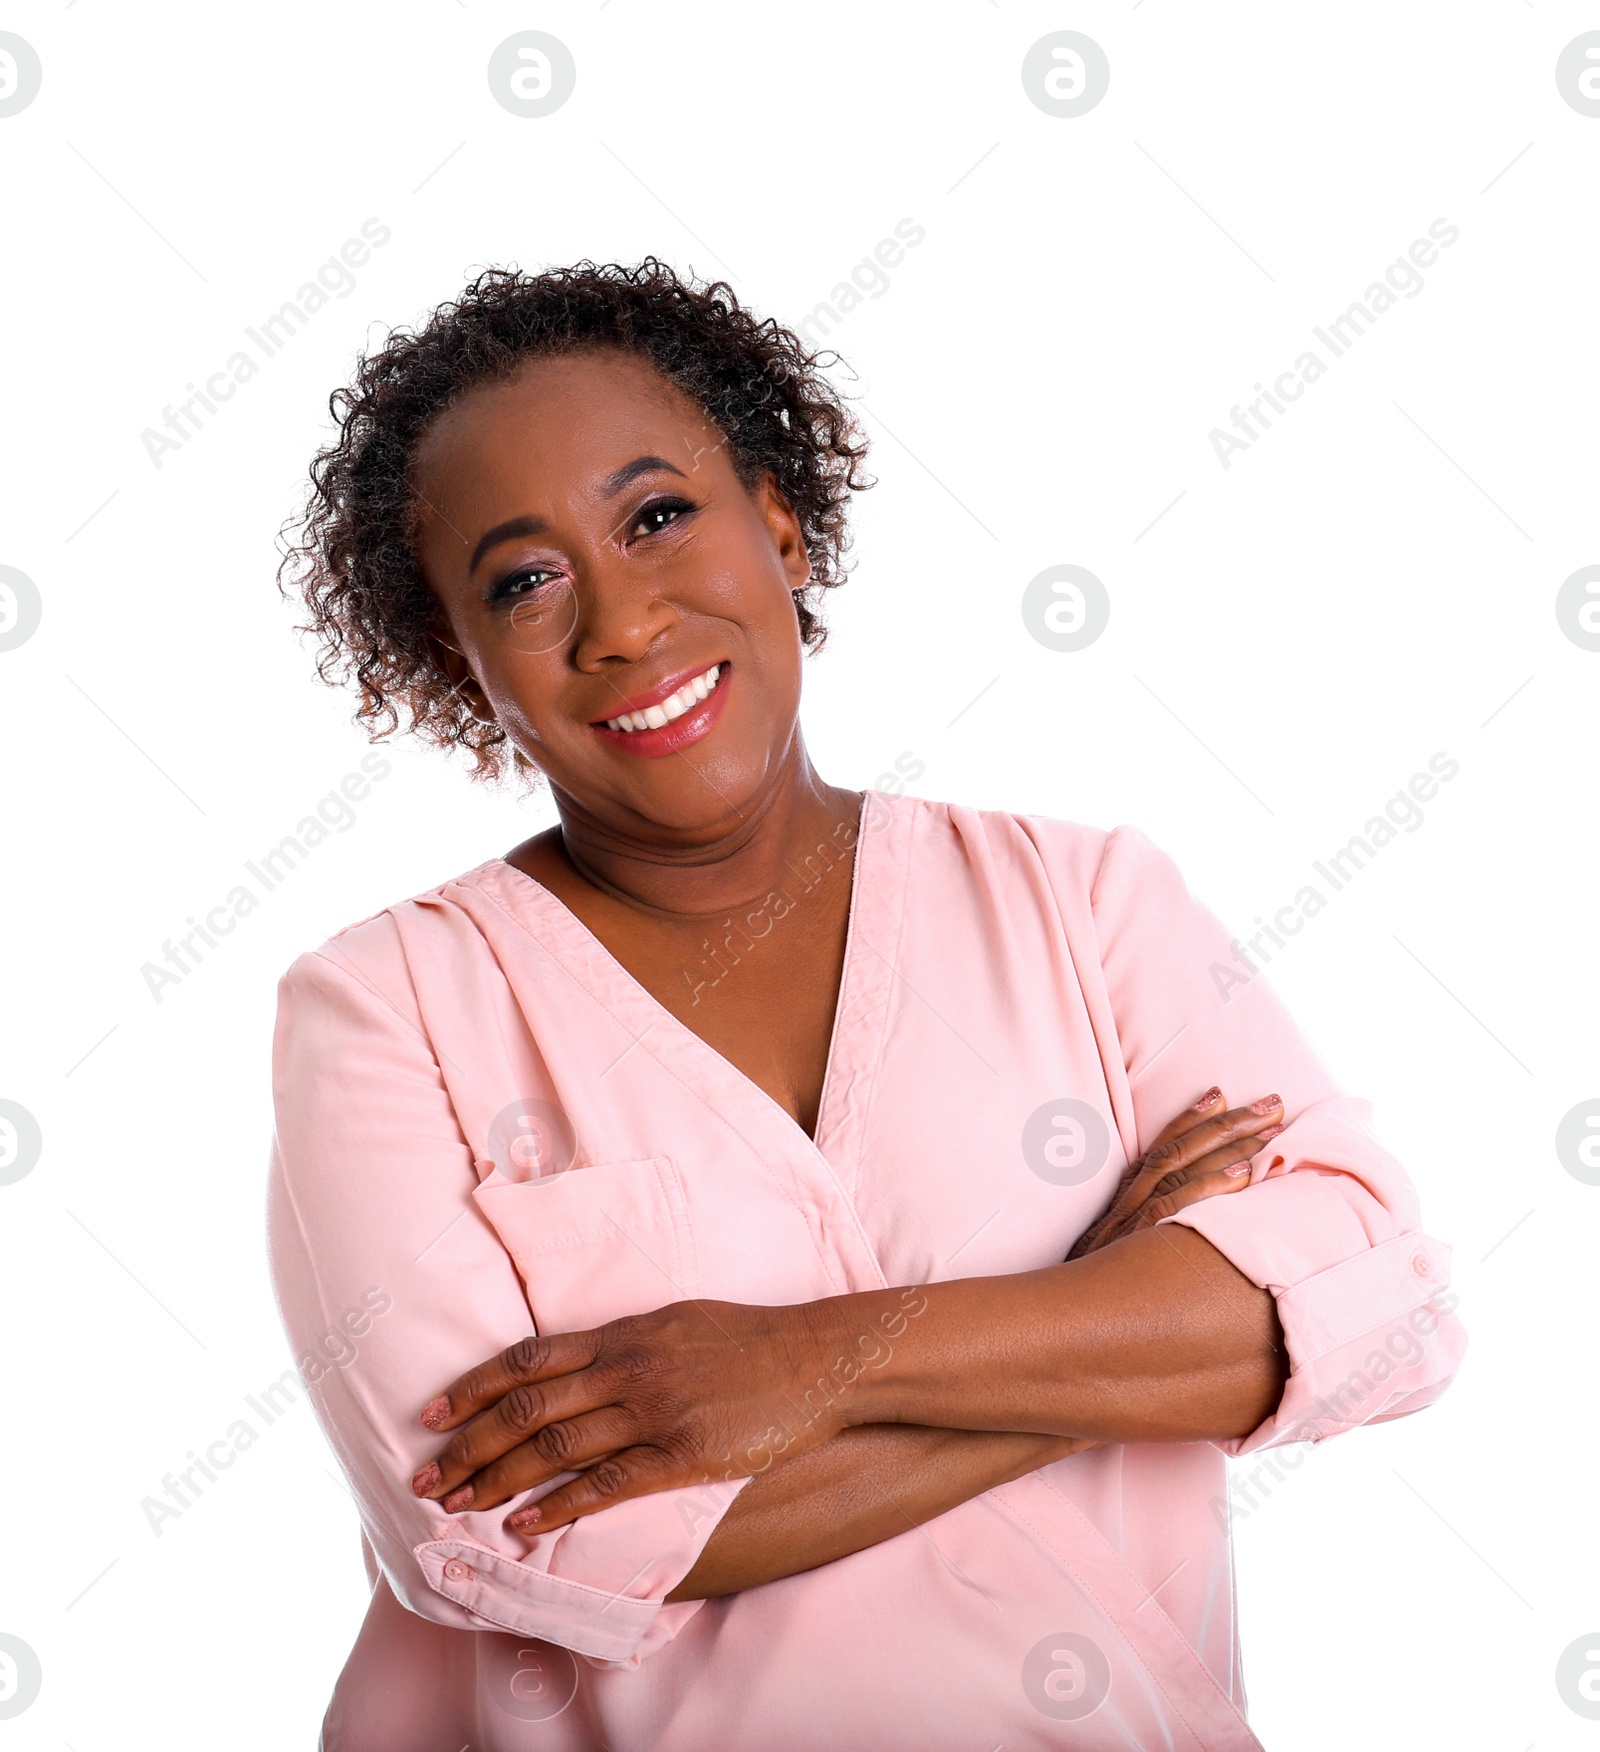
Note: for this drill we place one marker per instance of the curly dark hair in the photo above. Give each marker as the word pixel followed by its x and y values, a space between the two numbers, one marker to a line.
pixel 354 563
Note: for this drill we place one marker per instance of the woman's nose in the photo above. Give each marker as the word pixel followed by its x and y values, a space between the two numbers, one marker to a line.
pixel 619 612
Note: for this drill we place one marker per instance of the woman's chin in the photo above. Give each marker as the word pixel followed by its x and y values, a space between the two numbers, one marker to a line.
pixel 700 798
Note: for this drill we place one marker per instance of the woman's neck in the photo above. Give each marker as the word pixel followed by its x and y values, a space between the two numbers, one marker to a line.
pixel 758 850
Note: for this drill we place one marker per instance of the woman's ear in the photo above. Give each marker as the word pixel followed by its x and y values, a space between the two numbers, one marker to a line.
pixel 462 681
pixel 787 534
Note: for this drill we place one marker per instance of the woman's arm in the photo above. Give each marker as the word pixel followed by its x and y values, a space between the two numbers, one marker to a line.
pixel 864 1486
pixel 1153 1339
pixel 873 1481
pixel 1167 1344
pixel 1156 1338
pixel 389 1282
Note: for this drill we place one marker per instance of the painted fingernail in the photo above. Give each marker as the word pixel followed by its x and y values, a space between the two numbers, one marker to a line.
pixel 460 1498
pixel 1238 1169
pixel 1265 1104
pixel 1270 1132
pixel 1211 1097
pixel 427 1479
pixel 436 1411
pixel 523 1520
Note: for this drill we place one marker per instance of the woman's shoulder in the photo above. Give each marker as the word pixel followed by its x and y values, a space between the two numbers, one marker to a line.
pixel 1078 853
pixel 380 947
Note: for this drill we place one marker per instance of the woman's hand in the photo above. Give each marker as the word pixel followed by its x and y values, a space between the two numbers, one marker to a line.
pixel 1202 1153
pixel 699 1392
pixel 693 1393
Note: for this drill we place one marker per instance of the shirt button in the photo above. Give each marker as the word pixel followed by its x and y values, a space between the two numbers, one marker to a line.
pixel 1422 1265
pixel 457 1571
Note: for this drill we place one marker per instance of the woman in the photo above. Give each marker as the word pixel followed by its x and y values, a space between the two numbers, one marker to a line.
pixel 805 1254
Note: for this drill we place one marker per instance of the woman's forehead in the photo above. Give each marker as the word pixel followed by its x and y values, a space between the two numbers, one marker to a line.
pixel 565 409
pixel 605 380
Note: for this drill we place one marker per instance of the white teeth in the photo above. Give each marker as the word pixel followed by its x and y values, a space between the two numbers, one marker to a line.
pixel 659 716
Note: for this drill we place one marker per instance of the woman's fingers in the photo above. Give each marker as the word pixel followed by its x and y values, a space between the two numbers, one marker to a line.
pixel 1205 1108
pixel 1201 1186
pixel 1224 1169
pixel 530 1359
pixel 1202 1139
pixel 1188 1147
pixel 1127 1193
pixel 1199 1140
pixel 528 1409
pixel 1239 1149
pixel 687 1393
pixel 635 1472
pixel 567 1446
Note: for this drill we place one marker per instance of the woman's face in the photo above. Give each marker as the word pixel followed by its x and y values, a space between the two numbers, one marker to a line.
pixel 595 554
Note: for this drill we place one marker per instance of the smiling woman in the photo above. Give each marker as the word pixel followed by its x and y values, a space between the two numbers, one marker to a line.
pixel 859 1372
pixel 733 398
pixel 653 540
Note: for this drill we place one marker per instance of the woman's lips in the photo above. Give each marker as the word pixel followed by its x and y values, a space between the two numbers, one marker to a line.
pixel 681 732
pixel 659 694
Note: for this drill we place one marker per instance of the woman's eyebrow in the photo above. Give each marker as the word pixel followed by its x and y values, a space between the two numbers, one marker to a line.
pixel 630 472
pixel 613 484
pixel 506 531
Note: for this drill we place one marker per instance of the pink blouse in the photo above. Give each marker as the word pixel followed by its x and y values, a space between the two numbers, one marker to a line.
pixel 484 1123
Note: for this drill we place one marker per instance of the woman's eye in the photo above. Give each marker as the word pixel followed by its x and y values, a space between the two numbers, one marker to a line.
pixel 654 518
pixel 520 584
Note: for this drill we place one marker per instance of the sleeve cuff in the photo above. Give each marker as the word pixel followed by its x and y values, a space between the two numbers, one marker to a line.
pixel 509 1596
pixel 1362 1296
pixel 616 1626
pixel 1369 1338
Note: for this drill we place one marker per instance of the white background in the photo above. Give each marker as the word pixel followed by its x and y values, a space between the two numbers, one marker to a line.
pixel 1291 638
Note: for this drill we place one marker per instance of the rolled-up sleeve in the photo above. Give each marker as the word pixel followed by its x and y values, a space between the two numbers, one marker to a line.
pixel 390 1284
pixel 1329 1222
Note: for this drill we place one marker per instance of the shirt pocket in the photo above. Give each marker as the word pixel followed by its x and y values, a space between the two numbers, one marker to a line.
pixel 596 1242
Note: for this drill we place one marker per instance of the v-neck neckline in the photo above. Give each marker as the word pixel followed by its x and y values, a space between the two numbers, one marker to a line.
pixel 624 992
